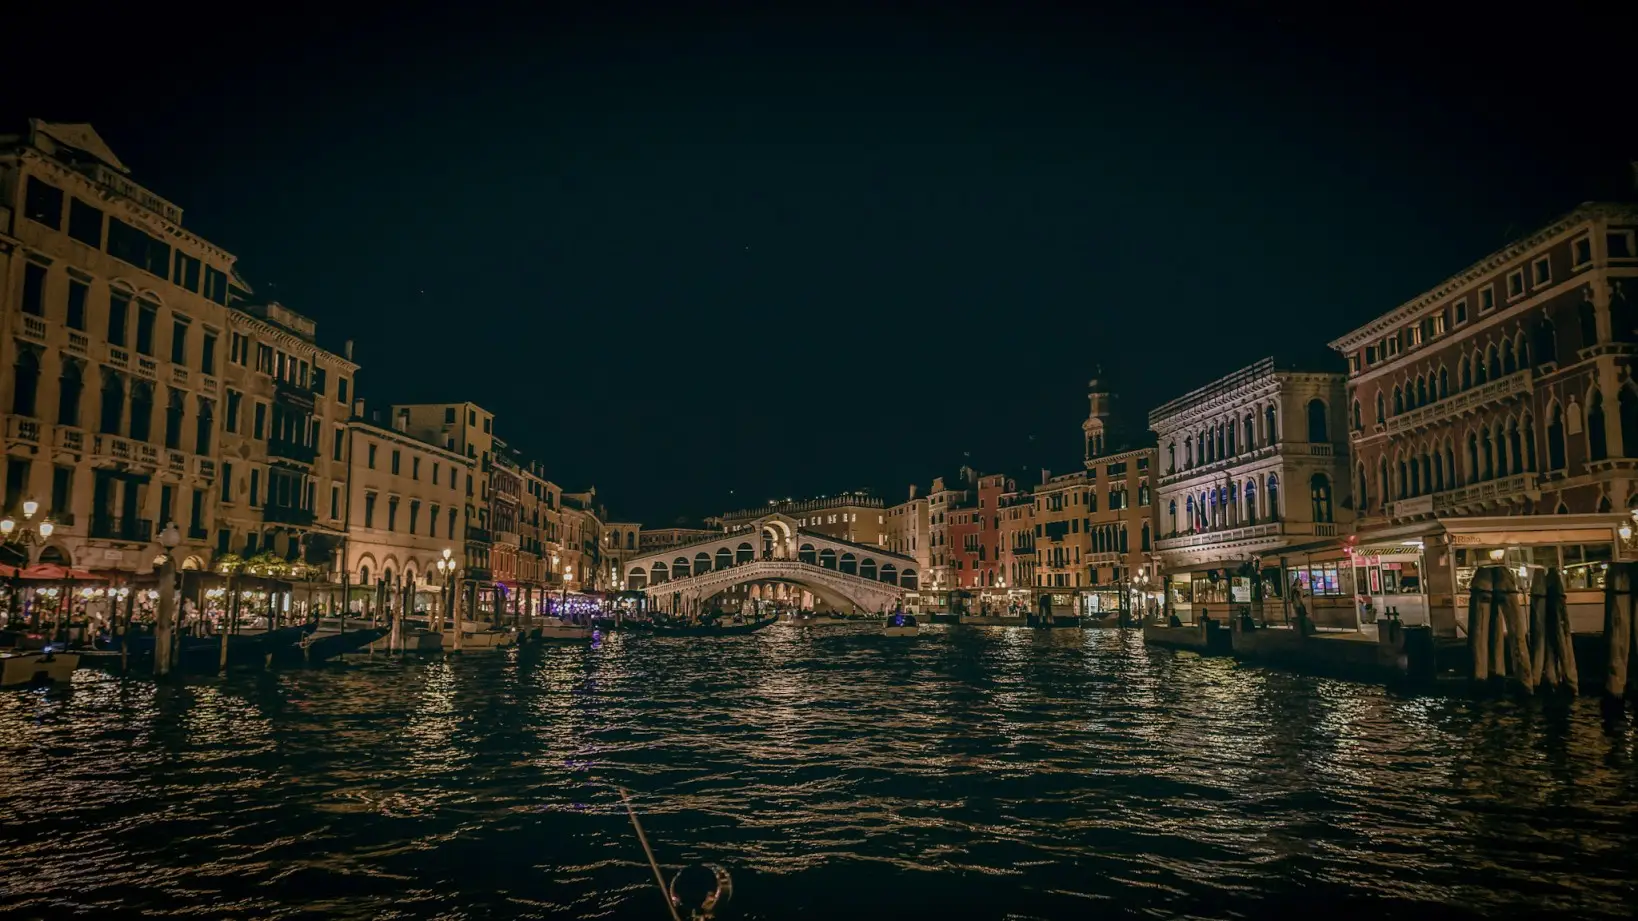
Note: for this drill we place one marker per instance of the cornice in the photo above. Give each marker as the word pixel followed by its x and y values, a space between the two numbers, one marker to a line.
pixel 1478 271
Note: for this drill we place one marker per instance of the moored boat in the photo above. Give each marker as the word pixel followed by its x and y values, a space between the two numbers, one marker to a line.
pixel 21 669
pixel 812 619
pixel 710 629
pixel 322 646
pixel 900 624
pixel 554 628
pixel 488 639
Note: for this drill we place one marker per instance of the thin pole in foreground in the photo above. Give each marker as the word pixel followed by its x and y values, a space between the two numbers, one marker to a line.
pixel 659 878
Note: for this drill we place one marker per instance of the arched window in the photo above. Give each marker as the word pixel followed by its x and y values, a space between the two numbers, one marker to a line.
pixel 1222 443
pixel 25 381
pixel 1465 373
pixel 1627 402
pixel 1480 375
pixel 1381 408
pixel 113 402
pixel 1444 382
pixel 1143 494
pixel 1382 483
pixel 1555 438
pixel 1527 431
pixel 1272 421
pixel 1421 391
pixel 1122 545
pixel 1188 452
pixel 1171 457
pixel 1415 476
pixel 1546 347
pixel 1320 489
pixel 1316 421
pixel 1398 400
pixel 1438 471
pixel 1589 324
pixel 69 388
pixel 1451 481
pixel 1215 508
pixel 1499 436
pixel 1515 446
pixel 1362 496
pixel 1493 361
pixel 1598 446
pixel 204 425
pixel 1489 470
pixel 1251 502
pixel 1521 350
pixel 1171 512
pixel 142 410
pixel 1251 433
pixel 1146 545
pixel 1508 367
pixel 1474 471
pixel 1273 496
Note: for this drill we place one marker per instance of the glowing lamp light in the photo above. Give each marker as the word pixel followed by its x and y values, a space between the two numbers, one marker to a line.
pixel 1497 553
pixel 46 528
pixel 1625 531
pixel 7 526
pixel 29 508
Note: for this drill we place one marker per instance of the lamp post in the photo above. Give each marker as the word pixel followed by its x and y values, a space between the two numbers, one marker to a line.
pixel 446 569
pixel 26 539
pixel 163 627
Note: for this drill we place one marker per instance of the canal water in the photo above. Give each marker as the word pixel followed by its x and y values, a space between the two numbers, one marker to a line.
pixel 967 773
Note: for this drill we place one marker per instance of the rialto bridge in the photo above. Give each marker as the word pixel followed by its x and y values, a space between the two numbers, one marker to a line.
pixel 776 559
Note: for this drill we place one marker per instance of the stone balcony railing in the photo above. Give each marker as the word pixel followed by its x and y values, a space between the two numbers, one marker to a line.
pixel 1467 401
pixel 1284 448
pixel 1453 501
pixel 1244 533
pixel 22 430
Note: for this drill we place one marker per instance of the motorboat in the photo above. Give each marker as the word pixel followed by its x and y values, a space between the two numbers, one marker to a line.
pixel 21 669
pixel 489 639
pixel 811 619
pixel 900 624
pixel 411 641
pixel 324 645
pixel 556 628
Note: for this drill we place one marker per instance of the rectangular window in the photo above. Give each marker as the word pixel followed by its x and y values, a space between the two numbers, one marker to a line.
pixel 231 413
pixel 335 501
pixel 1619 244
pixel 392 513
pixel 319 380
pixel 227 482
pixel 451 517
pixel 415 515
pixel 130 245
pixel 471 417
pixel 264 357
pixel 341 390
pixel 370 462
pixel 167 495
pixel 1353 364
pixel 62 492
pixel 335 449
pixel 449 415
pixel 1542 271
pixel 119 317
pixel 34 279
pixel 1459 311
pixel 187 272
pixel 238 348
pixel 77 293
pixel 216 285
pixel 1487 299
pixel 415 468
pixel 1581 252
pixel 85 223
pixel 179 342
pixel 146 314
pixel 43 203
pixel 395 458
pixel 16 481
pixel 435 473
pixel 1515 284
pixel 196 515
pixel 255 486
pixel 207 354
pixel 369 510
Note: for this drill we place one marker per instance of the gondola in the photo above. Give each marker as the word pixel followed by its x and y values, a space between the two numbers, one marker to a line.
pixel 709 629
pixel 204 653
pixel 322 647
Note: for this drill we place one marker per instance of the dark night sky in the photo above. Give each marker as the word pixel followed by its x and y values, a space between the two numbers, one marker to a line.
pixel 690 254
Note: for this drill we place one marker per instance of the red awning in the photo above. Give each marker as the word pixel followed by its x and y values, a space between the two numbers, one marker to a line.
pixel 52 572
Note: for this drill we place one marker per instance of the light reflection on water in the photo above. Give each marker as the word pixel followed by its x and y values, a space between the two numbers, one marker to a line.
pixel 973 772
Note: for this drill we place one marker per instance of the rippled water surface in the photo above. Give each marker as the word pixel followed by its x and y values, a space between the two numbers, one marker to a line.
pixel 968 773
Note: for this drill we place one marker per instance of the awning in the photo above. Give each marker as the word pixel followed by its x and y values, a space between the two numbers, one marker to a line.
pixel 52 572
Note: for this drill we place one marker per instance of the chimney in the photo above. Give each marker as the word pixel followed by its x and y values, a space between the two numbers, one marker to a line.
pixel 1045 474
pixel 401 421
pixel 358 408
pixel 347 350
pixel 912 490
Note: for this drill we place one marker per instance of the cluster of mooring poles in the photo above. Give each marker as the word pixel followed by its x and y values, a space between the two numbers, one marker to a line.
pixel 1620 599
pixel 1523 637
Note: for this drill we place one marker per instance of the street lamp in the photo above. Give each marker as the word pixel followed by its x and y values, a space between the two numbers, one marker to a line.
pixel 446 571
pixel 30 535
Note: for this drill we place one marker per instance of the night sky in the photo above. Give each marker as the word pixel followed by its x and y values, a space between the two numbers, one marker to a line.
pixel 690 254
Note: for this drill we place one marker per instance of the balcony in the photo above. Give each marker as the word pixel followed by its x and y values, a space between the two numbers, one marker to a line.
pixel 133 530
pixel 71 440
pixel 1505 388
pixel 78 343
pixel 33 327
pixel 118 357
pixel 292 451
pixel 179 375
pixel 288 393
pixel 477 574
pixel 1246 533
pixel 506 538
pixel 204 468
pixel 287 514
pixel 477 535
pixel 176 461
pixel 22 430
pixel 147 368
pixel 1479 497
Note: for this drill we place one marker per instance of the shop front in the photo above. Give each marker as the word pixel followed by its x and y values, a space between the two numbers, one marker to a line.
pixel 1216 591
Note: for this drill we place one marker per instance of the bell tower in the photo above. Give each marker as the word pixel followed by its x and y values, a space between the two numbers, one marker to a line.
pixel 1096 426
